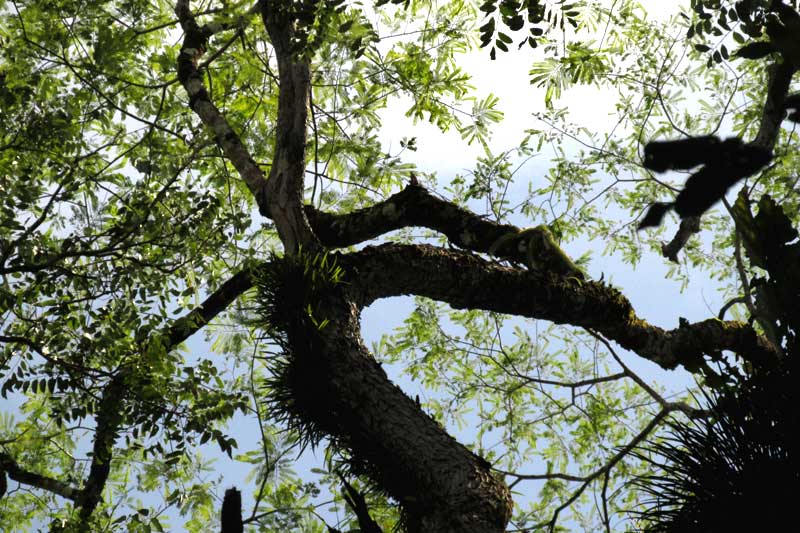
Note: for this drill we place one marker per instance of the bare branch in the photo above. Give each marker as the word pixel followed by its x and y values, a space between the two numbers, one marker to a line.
pixel 689 411
pixel 688 227
pixel 588 479
pixel 20 475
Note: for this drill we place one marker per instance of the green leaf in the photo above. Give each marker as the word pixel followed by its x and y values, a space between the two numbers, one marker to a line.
pixel 515 23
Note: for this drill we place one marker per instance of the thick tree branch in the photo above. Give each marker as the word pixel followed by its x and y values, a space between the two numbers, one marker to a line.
pixel 285 184
pixel 194 44
pixel 109 417
pixel 280 196
pixel 218 301
pixel 339 388
pixel 20 475
pixel 466 281
pixel 779 79
pixel 415 206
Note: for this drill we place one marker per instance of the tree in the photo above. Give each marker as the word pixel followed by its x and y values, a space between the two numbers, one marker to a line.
pixel 229 183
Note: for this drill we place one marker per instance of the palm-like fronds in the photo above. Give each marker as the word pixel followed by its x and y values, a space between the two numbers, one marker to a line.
pixel 289 289
pixel 738 470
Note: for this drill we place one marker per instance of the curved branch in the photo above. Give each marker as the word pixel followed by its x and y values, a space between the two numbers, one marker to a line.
pixel 685 408
pixel 20 475
pixel 467 281
pixel 415 206
pixel 337 386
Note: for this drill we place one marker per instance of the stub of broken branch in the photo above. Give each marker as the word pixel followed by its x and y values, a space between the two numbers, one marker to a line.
pixel 689 226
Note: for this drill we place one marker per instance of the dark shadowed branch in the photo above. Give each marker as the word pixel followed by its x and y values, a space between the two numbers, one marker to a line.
pixel 772 115
pixel 415 206
pixel 466 281
pixel 26 477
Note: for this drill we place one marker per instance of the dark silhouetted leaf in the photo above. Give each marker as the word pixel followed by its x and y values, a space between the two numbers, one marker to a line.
pixel 515 23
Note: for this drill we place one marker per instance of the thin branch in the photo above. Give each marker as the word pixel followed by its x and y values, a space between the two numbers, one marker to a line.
pixel 610 464
pixel 686 409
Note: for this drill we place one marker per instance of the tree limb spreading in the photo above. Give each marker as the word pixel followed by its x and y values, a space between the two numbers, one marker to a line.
pixel 415 206
pixel 214 304
pixel 466 281
pixel 20 475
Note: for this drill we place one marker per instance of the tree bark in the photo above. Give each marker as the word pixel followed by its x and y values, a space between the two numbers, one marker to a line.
pixel 467 281
pixel 334 385
pixel 441 486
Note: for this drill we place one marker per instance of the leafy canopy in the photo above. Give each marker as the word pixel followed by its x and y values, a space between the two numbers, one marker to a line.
pixel 119 214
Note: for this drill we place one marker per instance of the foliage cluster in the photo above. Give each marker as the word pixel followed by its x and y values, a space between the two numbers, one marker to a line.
pixel 125 229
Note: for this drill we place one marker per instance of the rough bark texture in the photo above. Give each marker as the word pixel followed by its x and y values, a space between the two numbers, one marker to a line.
pixel 467 281
pixel 415 206
pixel 194 46
pixel 441 486
pixel 336 387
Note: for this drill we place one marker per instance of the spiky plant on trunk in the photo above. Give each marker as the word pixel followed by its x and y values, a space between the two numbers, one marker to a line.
pixel 737 470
